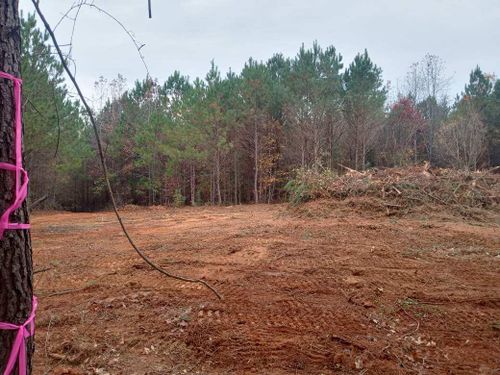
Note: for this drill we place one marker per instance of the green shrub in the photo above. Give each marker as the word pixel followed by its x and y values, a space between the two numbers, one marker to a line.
pixel 179 199
pixel 307 183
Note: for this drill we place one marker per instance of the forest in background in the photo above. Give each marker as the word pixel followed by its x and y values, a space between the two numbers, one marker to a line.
pixel 237 138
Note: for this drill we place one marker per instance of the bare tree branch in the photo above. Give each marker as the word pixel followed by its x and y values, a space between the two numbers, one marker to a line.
pixel 78 5
pixel 38 202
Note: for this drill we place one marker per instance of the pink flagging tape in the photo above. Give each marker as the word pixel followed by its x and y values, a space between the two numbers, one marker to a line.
pixel 18 352
pixel 21 188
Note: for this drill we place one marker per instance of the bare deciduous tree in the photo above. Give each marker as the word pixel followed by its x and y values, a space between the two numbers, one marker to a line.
pixel 463 138
pixel 427 83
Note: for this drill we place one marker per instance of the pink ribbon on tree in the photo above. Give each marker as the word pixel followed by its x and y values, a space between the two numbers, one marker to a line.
pixel 18 352
pixel 27 329
pixel 21 188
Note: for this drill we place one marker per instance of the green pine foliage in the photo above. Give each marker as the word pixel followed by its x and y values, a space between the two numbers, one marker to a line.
pixel 266 134
pixel 57 139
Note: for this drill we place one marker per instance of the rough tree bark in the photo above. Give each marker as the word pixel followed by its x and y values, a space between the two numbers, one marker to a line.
pixel 16 270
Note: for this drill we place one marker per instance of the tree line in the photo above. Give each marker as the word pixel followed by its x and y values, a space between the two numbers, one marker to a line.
pixel 235 138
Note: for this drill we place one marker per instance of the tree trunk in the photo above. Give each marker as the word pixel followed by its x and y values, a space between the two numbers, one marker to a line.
pixel 149 182
pixel 363 155
pixel 356 155
pixel 415 161
pixel 316 146
pixel 356 148
pixel 193 185
pixel 153 192
pixel 303 155
pixel 256 162
pixel 16 270
pixel 235 178
pixel 212 195
pixel 217 177
pixel 331 145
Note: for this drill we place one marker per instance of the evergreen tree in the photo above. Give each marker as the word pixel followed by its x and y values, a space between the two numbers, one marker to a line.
pixel 363 105
pixel 493 123
pixel 478 88
pixel 56 137
pixel 238 137
pixel 482 94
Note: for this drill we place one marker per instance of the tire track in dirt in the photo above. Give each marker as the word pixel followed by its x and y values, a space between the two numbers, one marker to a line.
pixel 305 296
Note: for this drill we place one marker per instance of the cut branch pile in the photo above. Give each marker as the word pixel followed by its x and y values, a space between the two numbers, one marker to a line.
pixel 403 188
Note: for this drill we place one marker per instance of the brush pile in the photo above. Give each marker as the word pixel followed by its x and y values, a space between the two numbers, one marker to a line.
pixel 402 188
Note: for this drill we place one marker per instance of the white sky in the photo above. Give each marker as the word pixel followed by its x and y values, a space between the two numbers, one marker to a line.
pixel 185 35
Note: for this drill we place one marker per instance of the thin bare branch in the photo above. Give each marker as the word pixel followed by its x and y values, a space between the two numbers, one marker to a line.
pixel 58 118
pixel 38 202
pixel 42 270
pixel 90 4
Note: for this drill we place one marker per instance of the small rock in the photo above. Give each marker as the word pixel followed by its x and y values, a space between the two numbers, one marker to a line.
pixel 353 281
pixel 368 304
pixel 358 363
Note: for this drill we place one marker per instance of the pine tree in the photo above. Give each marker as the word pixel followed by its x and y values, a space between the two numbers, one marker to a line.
pixel 364 97
pixel 16 266
pixel 478 88
pixel 56 140
pixel 481 93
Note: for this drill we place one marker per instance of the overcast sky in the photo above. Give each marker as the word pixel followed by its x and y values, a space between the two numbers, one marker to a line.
pixel 185 35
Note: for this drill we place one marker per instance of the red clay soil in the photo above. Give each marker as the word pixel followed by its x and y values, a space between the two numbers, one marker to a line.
pixel 318 290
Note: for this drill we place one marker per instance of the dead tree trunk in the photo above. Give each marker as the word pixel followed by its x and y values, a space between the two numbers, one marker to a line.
pixel 16 270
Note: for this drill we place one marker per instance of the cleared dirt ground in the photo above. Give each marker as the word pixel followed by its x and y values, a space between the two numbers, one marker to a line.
pixel 316 290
